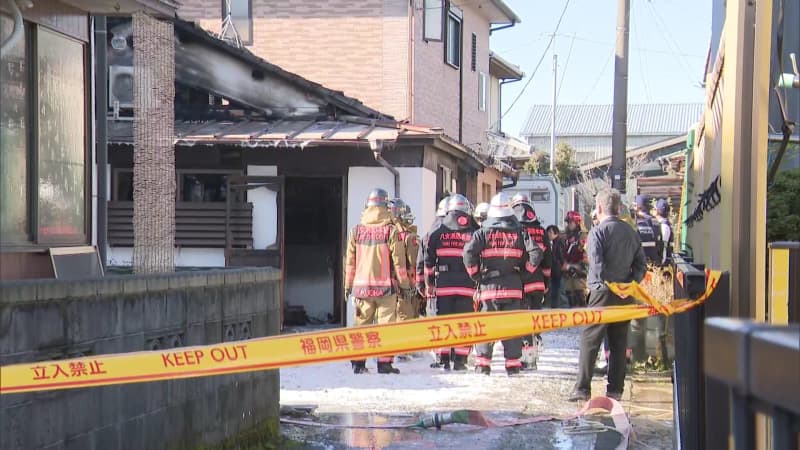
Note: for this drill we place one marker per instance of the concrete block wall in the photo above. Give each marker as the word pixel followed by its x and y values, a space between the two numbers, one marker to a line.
pixel 53 319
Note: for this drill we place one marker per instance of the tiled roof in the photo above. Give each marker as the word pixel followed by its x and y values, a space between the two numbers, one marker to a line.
pixel 595 120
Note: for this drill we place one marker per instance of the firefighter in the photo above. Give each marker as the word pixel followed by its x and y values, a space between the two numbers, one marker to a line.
pixel 407 308
pixel 575 259
pixel 370 279
pixel 480 213
pixel 428 305
pixel 501 258
pixel 445 275
pixel 536 288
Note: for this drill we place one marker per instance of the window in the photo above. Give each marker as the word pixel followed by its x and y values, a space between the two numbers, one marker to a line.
pixel 474 62
pixel 61 116
pixel 453 45
pixel 540 195
pixel 204 186
pixel 483 91
pixel 486 191
pixel 432 20
pixel 446 184
pixel 241 18
pixel 43 138
pixel 14 157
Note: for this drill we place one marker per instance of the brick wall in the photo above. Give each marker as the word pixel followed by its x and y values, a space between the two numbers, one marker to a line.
pixel 54 319
pixel 358 47
pixel 436 90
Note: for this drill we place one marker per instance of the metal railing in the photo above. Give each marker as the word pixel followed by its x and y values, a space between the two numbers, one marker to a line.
pixel 759 365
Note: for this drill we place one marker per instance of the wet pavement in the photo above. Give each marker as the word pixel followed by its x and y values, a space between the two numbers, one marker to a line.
pixel 544 435
pixel 372 399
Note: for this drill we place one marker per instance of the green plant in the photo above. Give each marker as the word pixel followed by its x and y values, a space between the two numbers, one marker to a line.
pixel 565 165
pixel 783 207
pixel 538 163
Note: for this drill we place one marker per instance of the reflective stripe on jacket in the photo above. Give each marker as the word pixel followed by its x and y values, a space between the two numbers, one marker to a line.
pixel 376 260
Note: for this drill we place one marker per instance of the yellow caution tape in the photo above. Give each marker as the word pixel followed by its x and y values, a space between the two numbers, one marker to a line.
pixel 331 345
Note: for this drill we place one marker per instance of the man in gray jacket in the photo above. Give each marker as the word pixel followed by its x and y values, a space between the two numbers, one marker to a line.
pixel 615 255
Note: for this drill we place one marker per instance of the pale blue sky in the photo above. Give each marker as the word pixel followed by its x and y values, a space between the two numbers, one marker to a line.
pixel 668 44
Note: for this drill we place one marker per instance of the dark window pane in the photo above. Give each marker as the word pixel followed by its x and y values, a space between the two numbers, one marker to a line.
pixel 453 40
pixel 13 134
pixel 241 17
pixel 62 128
pixel 206 187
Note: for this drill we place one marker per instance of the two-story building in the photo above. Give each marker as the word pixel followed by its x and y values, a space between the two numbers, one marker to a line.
pixel 422 61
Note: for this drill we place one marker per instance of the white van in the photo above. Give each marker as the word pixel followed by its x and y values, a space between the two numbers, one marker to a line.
pixel 544 193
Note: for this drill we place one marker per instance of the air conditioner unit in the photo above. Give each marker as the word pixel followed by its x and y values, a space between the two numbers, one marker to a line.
pixel 120 86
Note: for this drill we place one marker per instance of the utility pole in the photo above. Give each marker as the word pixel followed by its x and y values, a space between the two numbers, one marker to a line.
pixel 619 128
pixel 553 117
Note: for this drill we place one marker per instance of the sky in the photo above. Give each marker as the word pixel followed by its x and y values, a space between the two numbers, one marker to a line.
pixel 669 41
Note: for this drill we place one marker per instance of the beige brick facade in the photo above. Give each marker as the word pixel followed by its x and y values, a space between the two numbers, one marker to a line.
pixel 363 48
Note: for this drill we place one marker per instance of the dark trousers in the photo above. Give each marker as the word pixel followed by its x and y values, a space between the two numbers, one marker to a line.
pixel 532 301
pixel 555 292
pixel 592 337
pixel 454 304
pixel 512 348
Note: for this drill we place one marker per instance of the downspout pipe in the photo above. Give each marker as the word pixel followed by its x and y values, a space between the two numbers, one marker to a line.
pixel 101 135
pixel 390 168
pixel 17 30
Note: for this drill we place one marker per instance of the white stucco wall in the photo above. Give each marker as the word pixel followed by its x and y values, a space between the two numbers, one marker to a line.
pixel 184 257
pixel 417 188
pixel 265 209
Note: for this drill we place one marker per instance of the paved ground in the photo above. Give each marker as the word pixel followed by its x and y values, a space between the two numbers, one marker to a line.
pixel 342 397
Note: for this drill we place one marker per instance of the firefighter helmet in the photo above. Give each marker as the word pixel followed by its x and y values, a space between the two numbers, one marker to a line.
pixel 480 211
pixel 396 206
pixel 520 199
pixel 574 216
pixel 458 202
pixel 377 197
pixel 500 206
pixel 441 209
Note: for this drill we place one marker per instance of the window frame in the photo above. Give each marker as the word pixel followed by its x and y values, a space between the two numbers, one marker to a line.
pixel 442 25
pixel 34 240
pixel 248 41
pixel 458 53
pixel 79 238
pixel 483 91
pixel 180 173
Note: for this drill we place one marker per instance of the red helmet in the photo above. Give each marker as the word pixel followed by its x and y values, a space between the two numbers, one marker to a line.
pixel 574 216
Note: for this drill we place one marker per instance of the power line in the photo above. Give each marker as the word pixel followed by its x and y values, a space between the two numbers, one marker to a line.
pixel 564 72
pixel 670 42
pixel 642 65
pixel 538 64
pixel 606 44
pixel 599 76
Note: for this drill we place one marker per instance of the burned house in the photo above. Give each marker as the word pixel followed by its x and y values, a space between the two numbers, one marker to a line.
pixel 271 168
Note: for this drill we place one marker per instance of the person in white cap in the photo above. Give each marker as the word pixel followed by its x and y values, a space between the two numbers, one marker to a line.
pixel 501 258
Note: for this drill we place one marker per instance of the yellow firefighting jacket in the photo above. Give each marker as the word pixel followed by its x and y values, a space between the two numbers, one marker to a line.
pixel 410 238
pixel 375 264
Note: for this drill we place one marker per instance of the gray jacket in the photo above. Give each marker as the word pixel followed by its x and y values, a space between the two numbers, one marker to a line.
pixel 615 254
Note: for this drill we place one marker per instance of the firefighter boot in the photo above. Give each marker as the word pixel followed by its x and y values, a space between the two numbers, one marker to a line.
pixel 444 361
pixel 460 363
pixel 483 370
pixel 387 368
pixel 359 367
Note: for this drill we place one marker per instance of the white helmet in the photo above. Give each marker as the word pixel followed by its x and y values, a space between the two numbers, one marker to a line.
pixel 458 202
pixel 441 210
pixel 481 210
pixel 500 206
